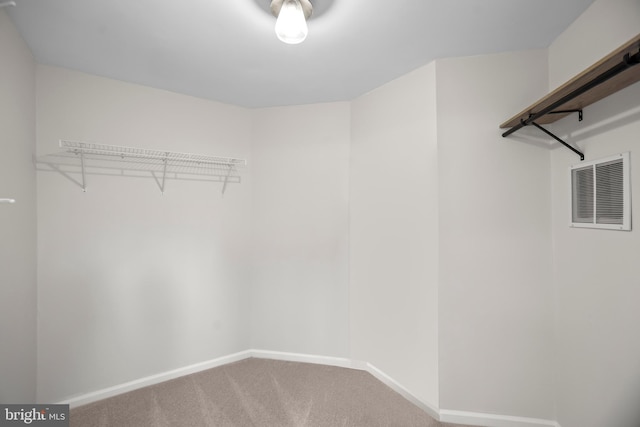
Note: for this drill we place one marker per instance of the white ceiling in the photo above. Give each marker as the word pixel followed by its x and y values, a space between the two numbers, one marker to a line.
pixel 226 50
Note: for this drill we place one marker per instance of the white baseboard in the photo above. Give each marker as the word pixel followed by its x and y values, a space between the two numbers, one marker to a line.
pixel 105 393
pixel 444 415
pixel 348 363
pixel 153 379
pixel 395 386
pixel 341 362
pixel 491 420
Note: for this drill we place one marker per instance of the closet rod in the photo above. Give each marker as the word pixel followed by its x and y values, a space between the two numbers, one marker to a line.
pixel 627 62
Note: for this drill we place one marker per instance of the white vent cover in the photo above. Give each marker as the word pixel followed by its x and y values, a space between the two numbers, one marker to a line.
pixel 600 194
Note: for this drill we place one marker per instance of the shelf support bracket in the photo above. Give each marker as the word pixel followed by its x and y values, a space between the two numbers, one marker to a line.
pixel 226 179
pixel 164 172
pixel 568 111
pixel 84 184
pixel 578 152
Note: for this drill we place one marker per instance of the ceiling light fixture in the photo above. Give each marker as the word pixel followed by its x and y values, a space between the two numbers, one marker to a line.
pixel 291 25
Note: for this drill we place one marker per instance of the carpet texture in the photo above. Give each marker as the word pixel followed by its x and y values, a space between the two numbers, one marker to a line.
pixel 260 393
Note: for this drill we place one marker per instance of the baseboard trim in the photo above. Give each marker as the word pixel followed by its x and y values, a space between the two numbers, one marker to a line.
pixel 352 364
pixel 444 415
pixel 398 388
pixel 341 362
pixel 491 420
pixel 105 393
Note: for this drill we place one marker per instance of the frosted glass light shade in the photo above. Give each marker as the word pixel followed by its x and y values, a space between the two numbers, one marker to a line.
pixel 291 25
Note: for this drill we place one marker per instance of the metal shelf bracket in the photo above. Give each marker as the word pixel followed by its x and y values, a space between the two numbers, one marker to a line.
pixel 84 182
pixel 164 172
pixel 568 111
pixel 578 152
pixel 226 178
pixel 552 135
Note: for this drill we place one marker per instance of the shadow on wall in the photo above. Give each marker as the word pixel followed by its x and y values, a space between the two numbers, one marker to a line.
pixel 627 411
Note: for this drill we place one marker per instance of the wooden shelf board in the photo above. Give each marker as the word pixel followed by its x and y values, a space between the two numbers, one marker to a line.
pixel 619 82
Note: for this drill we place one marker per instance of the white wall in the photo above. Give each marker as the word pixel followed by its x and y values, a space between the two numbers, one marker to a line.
pixel 300 218
pixel 132 282
pixel 399 229
pixel 597 275
pixel 17 221
pixel 393 299
pixel 602 28
pixel 495 295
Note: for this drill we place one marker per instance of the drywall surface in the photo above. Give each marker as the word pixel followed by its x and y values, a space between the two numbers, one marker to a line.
pixel 602 28
pixel 133 282
pixel 300 218
pixel 597 275
pixel 597 278
pixel 17 221
pixel 496 310
pixel 393 290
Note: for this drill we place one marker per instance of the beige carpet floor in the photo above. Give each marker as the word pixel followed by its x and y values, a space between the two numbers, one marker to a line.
pixel 260 393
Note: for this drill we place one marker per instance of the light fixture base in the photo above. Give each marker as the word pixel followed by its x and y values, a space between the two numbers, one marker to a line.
pixel 307 7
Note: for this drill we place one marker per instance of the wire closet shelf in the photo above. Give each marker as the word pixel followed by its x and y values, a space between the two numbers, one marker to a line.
pixel 85 158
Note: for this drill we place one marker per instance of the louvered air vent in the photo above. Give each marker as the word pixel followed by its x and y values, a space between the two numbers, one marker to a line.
pixel 600 196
